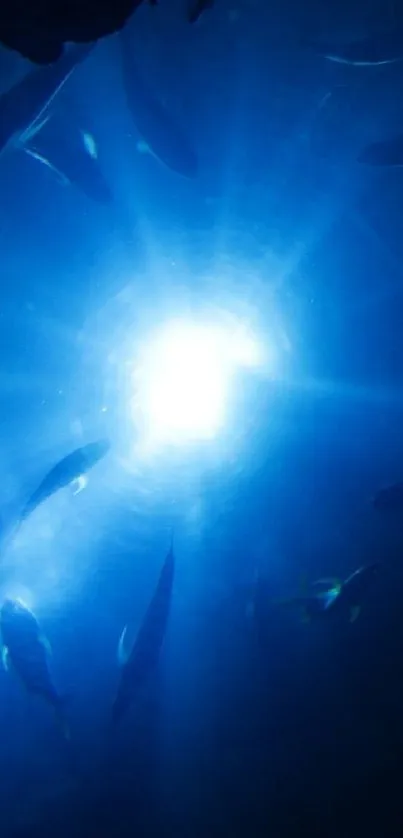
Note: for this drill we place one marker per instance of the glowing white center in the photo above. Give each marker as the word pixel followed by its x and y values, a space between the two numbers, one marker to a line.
pixel 183 379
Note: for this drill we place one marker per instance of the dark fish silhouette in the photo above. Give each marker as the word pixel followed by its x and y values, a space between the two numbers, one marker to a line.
pixel 383 47
pixel 383 153
pixel 70 153
pixel 144 655
pixel 390 498
pixel 33 121
pixel 316 600
pixel 23 107
pixel 70 468
pixel 161 134
pixel 334 597
pixel 196 9
pixel 27 650
pixel 39 29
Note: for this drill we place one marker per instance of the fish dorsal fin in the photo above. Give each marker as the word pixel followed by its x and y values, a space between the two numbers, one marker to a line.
pixel 123 654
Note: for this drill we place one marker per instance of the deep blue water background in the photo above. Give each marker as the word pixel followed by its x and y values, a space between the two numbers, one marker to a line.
pixel 298 731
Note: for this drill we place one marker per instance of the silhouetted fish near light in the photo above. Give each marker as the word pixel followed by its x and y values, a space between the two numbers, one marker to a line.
pixel 69 469
pixel 390 498
pixel 314 603
pixel 381 48
pixel 70 153
pixel 39 29
pixel 23 107
pixel 196 9
pixel 334 597
pixel 155 124
pixel 384 153
pixel 144 655
pixel 53 137
pixel 27 650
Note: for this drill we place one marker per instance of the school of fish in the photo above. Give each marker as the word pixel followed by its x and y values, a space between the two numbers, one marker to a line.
pixel 35 120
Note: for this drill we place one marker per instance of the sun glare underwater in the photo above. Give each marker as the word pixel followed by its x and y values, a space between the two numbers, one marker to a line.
pixel 184 376
pixel 198 395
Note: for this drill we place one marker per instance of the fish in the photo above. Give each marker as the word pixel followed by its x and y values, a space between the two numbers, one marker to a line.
pixel 23 108
pixel 389 498
pixel 196 9
pixel 386 153
pixel 160 133
pixel 314 603
pixel 39 31
pixel 138 663
pixel 71 469
pixel 70 153
pixel 49 133
pixel 26 649
pixel 383 47
pixel 335 597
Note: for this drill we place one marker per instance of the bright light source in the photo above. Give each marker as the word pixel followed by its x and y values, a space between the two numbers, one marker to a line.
pixel 184 375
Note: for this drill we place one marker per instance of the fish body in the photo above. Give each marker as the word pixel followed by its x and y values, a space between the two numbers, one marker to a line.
pixel 144 655
pixel 389 498
pixel 26 649
pixel 67 470
pixel 332 597
pixel 23 108
pixel 33 121
pixel 159 132
pixel 196 9
pixel 313 605
pixel 69 153
pixel 39 30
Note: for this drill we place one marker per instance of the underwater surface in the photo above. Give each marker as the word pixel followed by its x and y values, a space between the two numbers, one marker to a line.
pixel 201 425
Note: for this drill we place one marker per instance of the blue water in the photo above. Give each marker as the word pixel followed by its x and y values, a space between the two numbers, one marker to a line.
pixel 292 729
